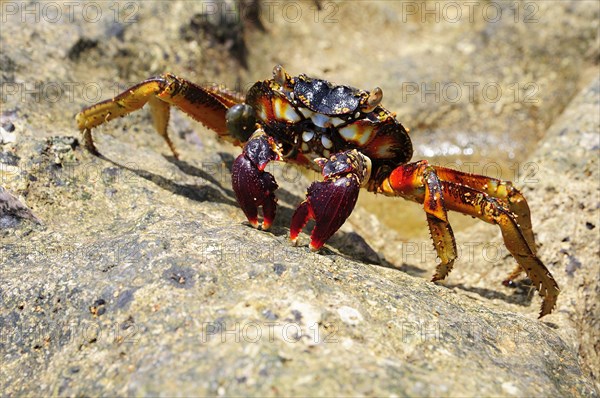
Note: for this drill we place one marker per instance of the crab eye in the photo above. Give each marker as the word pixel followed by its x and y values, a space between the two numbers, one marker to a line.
pixel 241 121
pixel 373 100
pixel 279 75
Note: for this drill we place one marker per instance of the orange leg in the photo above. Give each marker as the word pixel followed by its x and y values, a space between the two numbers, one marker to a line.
pixel 490 200
pixel 206 105
pixel 419 182
pixel 504 190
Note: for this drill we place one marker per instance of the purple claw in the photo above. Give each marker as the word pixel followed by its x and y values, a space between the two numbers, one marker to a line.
pixel 252 185
pixel 331 202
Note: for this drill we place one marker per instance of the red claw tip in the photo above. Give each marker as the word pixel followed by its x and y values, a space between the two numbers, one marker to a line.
pixel 315 245
pixel 266 225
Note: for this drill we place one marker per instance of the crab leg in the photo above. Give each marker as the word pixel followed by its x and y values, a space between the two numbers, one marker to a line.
pixel 419 182
pixel 207 105
pixel 411 180
pixel 472 202
pixel 496 188
pixel 504 190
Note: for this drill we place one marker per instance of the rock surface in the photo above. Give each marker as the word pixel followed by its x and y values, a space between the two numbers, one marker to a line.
pixel 12 210
pixel 144 279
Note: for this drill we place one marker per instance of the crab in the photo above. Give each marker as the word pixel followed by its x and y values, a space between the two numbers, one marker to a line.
pixel 347 135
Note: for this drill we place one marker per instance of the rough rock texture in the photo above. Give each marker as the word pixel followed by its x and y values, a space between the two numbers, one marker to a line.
pixel 144 278
pixel 12 210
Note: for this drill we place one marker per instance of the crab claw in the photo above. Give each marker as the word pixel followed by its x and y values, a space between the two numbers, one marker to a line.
pixel 330 202
pixel 252 185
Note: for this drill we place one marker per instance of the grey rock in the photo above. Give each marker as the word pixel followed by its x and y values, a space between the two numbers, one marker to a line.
pixel 12 210
pixel 145 278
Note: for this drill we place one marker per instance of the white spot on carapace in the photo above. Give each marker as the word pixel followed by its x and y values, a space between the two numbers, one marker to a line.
pixel 384 151
pixel 357 133
pixel 262 114
pixel 321 120
pixel 307 113
pixel 284 111
pixel 307 136
pixel 326 142
pixel 337 121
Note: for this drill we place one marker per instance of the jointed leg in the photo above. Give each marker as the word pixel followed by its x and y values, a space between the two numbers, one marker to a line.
pixel 412 181
pixel 206 105
pixel 503 190
pixel 472 202
pixel 419 182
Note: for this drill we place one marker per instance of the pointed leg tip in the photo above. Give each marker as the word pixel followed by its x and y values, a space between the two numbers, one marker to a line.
pixel 548 305
pixel 88 141
pixel 172 148
pixel 543 312
pixel 91 148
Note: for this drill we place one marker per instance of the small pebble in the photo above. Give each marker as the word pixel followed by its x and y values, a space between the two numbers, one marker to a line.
pixel 350 316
